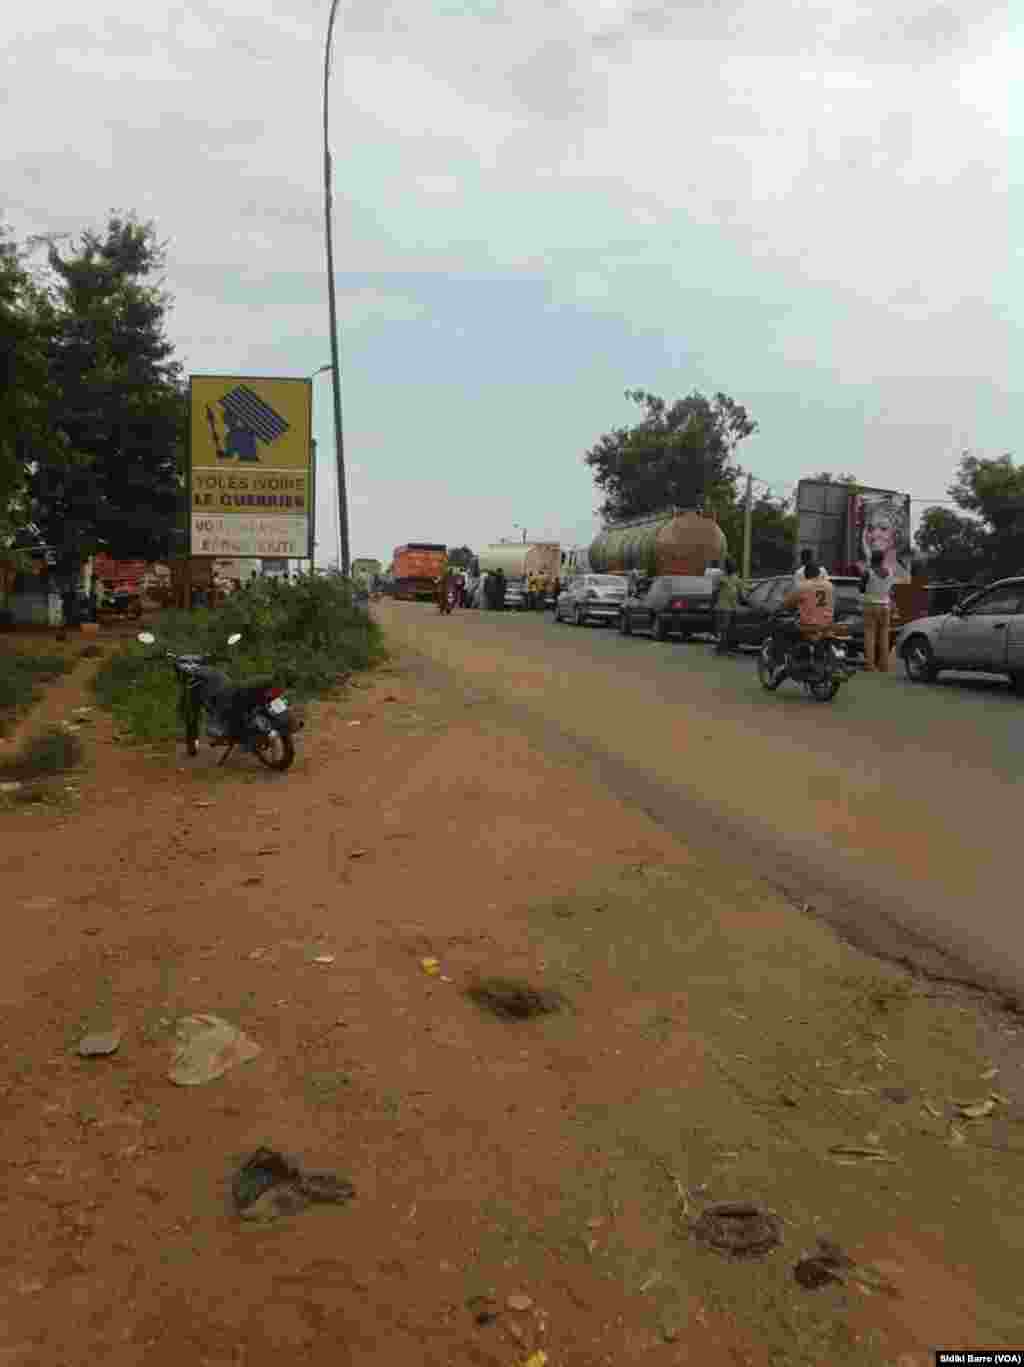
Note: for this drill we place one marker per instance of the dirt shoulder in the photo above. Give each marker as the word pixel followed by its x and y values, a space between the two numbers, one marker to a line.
pixel 717 1046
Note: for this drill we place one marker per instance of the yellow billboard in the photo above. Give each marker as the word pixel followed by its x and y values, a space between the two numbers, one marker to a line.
pixel 250 465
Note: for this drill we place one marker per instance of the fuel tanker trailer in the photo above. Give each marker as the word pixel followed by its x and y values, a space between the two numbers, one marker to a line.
pixel 670 542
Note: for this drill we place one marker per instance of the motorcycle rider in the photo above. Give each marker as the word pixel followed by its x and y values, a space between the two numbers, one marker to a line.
pixel 813 598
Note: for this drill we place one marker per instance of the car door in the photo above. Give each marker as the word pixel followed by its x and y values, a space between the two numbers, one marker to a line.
pixel 1015 642
pixel 978 637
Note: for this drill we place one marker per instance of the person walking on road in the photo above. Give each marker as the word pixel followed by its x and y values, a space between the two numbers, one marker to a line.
pixel 876 585
pixel 729 590
pixel 446 592
pixel 499 590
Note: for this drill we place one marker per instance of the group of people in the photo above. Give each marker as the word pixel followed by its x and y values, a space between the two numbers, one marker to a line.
pixel 812 597
pixel 539 588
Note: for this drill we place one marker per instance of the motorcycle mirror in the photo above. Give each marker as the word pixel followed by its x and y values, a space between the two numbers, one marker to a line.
pixel 234 638
pixel 146 637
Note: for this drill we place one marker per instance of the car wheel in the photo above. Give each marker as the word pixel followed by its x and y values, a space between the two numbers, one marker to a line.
pixel 625 625
pixel 919 660
pixel 660 629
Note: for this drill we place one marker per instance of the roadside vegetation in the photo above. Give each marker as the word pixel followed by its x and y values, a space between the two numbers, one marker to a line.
pixel 21 674
pixel 308 634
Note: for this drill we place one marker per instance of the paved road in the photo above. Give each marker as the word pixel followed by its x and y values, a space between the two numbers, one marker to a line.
pixel 894 811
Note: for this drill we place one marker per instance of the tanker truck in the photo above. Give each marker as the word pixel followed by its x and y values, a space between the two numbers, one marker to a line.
pixel 672 541
pixel 518 559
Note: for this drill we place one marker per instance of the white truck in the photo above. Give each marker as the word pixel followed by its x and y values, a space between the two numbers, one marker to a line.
pixel 518 559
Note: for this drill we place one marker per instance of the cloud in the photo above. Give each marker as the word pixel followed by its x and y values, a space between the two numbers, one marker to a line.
pixel 538 203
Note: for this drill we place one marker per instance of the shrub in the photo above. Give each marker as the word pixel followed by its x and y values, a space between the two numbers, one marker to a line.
pixel 304 633
pixel 53 751
pixel 21 673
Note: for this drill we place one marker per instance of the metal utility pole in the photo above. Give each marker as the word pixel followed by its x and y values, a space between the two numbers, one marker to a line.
pixel 747 519
pixel 339 444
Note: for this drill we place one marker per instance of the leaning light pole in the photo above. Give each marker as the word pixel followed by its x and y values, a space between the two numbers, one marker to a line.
pixel 332 304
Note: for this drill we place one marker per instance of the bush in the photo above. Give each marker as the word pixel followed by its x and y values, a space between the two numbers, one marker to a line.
pixel 304 633
pixel 20 674
pixel 54 751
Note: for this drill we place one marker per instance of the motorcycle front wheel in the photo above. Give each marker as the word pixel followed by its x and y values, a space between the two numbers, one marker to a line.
pixel 192 731
pixel 766 672
pixel 276 750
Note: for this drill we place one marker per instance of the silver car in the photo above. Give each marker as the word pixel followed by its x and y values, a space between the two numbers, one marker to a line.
pixel 985 633
pixel 591 598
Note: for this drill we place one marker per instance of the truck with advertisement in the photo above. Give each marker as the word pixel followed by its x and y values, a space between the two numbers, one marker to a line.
pixel 843 523
pixel 416 568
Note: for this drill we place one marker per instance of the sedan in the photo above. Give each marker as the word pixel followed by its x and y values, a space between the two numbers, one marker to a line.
pixel 983 633
pixel 669 605
pixel 591 598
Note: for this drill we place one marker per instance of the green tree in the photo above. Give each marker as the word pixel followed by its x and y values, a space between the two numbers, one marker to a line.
pixel 677 454
pixel 111 474
pixel 990 538
pixel 26 326
pixel 772 534
pixel 954 545
pixel 461 558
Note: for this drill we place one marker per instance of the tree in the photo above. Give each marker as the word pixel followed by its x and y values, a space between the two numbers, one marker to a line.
pixel 990 538
pixel 772 533
pixel 826 477
pixel 955 545
pixel 110 475
pixel 677 454
pixel 25 330
pixel 461 558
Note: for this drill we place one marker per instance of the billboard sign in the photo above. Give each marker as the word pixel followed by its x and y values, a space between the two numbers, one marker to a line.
pixel 250 467
pixel 842 525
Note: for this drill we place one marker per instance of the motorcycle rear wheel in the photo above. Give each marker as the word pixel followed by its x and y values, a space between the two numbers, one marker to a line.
pixel 276 751
pixel 824 690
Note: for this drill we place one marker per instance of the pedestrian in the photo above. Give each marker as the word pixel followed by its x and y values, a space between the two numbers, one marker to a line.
pixel 729 589
pixel 556 589
pixel 500 588
pixel 876 586
pixel 445 591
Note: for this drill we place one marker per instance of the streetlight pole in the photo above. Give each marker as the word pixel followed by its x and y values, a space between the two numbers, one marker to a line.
pixel 332 304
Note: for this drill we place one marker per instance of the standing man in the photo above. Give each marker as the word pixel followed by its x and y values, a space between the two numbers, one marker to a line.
pixel 730 588
pixel 499 589
pixel 876 585
pixel 444 589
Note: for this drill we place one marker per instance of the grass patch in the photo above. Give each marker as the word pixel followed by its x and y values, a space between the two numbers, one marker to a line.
pixel 308 635
pixel 54 751
pixel 21 674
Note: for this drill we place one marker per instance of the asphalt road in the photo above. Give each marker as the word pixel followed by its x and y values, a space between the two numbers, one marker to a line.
pixel 891 812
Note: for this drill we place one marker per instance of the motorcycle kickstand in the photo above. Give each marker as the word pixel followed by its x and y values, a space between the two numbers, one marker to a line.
pixel 224 756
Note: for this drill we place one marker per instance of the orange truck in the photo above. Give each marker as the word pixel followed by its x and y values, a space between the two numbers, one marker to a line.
pixel 416 568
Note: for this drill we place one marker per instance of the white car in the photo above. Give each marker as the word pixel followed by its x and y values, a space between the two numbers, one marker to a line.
pixel 985 633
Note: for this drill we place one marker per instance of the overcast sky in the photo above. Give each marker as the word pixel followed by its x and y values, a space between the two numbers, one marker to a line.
pixel 540 203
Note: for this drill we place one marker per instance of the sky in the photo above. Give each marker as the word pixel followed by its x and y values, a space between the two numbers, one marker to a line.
pixel 539 204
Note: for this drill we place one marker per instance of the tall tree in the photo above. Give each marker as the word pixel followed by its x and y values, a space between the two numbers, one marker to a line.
pixel 772 533
pixel 461 558
pixel 26 324
pixel 990 538
pixel 677 454
pixel 111 474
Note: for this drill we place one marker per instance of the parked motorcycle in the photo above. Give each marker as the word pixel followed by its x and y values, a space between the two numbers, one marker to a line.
pixel 253 714
pixel 820 666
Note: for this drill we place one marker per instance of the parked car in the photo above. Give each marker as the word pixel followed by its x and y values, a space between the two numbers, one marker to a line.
pixel 754 616
pixel 591 598
pixel 670 605
pixel 985 633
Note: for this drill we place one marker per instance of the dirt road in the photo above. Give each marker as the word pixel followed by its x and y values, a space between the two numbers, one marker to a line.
pixel 522 1187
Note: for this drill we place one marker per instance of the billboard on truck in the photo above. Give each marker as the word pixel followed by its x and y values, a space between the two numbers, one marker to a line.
pixel 416 568
pixel 843 524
